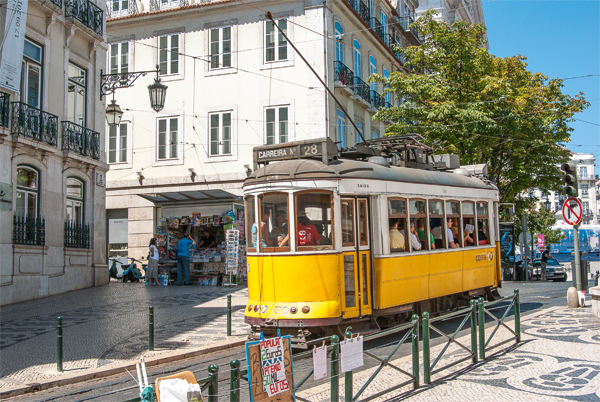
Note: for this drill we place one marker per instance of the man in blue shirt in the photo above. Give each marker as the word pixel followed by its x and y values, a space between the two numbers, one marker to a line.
pixel 183 258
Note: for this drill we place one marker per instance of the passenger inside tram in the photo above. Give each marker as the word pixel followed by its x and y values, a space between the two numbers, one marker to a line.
pixel 421 234
pixel 414 239
pixel 281 230
pixel 307 232
pixel 451 242
pixel 469 239
pixel 481 235
pixel 397 239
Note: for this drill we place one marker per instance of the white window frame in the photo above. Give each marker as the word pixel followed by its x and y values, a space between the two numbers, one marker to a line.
pixel 119 11
pixel 73 201
pixel 340 129
pixel 278 37
pixel 220 43
pixel 339 47
pixel 128 150
pixel 222 157
pixel 372 70
pixel 28 63
pixel 585 190
pixel 277 132
pixel 77 85
pixel 169 72
pixel 278 62
pixel 178 158
pixel 119 67
pixel 357 58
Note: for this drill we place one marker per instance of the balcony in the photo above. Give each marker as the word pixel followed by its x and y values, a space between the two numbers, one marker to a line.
pixel 377 101
pixel 363 11
pixel 156 5
pixel 57 3
pixel 406 22
pixel 87 13
pixel 29 230
pixel 77 235
pixel 121 8
pixel 362 90
pixel 343 74
pixel 4 109
pixel 33 123
pixel 80 140
pixel 378 28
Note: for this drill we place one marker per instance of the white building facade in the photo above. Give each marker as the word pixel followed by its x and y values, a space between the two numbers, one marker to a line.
pixel 52 169
pixel 234 82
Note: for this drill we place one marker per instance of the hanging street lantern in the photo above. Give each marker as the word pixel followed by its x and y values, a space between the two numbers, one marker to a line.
pixel 113 114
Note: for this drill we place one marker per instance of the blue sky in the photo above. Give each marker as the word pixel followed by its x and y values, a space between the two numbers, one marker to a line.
pixel 560 39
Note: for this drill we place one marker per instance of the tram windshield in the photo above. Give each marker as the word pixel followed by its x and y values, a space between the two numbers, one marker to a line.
pixel 274 230
pixel 314 226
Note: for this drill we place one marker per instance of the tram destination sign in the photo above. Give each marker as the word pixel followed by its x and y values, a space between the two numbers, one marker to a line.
pixel 322 148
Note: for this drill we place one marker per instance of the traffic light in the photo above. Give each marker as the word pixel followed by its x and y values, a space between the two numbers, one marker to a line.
pixel 570 179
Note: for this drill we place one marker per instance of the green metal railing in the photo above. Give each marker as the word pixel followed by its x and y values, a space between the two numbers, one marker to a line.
pixel 4 109
pixel 77 235
pixel 484 345
pixel 29 230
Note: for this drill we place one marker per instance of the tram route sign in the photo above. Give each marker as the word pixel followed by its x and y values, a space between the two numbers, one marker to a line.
pixel 321 148
pixel 572 211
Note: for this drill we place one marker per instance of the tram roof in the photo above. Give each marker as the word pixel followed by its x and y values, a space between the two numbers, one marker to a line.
pixel 302 169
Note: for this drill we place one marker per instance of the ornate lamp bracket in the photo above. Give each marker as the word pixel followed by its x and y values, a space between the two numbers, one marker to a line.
pixel 109 83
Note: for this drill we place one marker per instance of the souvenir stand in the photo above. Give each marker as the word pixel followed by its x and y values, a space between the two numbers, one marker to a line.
pixel 232 251
pixel 208 266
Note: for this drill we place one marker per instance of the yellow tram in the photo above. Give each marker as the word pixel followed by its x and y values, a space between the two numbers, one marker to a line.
pixel 338 239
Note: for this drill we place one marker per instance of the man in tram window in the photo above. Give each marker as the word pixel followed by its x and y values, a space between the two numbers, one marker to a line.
pixel 481 236
pixel 265 236
pixel 307 232
pixel 397 240
pixel 421 234
pixel 324 239
pixel 451 242
pixel 414 238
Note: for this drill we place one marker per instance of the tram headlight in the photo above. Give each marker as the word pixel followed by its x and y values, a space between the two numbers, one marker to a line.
pixel 305 309
pixel 250 307
pixel 293 310
pixel 256 308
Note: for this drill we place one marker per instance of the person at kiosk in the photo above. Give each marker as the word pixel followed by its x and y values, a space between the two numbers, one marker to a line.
pixel 207 240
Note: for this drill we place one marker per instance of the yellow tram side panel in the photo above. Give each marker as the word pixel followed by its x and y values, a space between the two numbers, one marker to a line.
pixel 498 265
pixel 479 268
pixel 446 273
pixel 401 280
pixel 282 282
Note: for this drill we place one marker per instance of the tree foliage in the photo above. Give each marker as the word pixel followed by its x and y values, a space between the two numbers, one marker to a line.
pixel 540 221
pixel 485 109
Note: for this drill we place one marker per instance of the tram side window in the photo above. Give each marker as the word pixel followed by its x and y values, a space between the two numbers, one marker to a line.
pixel 274 229
pixel 250 223
pixel 454 222
pixel 482 224
pixel 418 219
pixel 314 226
pixel 397 225
pixel 436 222
pixel 468 214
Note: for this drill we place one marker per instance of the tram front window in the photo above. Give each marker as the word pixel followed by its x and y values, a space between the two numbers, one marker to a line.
pixel 274 230
pixel 397 225
pixel 314 227
pixel 482 224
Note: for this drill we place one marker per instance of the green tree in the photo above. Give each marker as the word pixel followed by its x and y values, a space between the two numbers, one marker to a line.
pixel 486 109
pixel 540 221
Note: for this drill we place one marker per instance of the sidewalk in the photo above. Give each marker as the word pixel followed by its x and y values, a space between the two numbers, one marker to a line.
pixel 106 329
pixel 557 360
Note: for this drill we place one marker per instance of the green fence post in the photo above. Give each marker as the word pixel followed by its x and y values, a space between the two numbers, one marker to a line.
pixel 213 387
pixel 234 381
pixel 474 330
pixel 348 377
pixel 415 351
pixel 335 369
pixel 59 345
pixel 481 319
pixel 228 315
pixel 518 315
pixel 426 355
pixel 151 328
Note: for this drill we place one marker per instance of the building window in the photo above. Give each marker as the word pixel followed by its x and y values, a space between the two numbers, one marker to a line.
pixel 277 121
pixel 119 8
pixel 77 94
pixel 168 54
pixel 220 48
pixel 339 45
pixel 384 23
pixel 372 70
pixel 341 129
pixel 167 138
pixel 583 172
pixel 374 134
pixel 586 207
pixel 386 74
pixel 28 191
pixel 357 60
pixel 584 190
pixel 119 58
pixel 31 74
pixel 361 132
pixel 117 143
pixel 220 133
pixel 75 200
pixel 275 43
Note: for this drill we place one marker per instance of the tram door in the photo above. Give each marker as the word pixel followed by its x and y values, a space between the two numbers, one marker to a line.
pixel 356 257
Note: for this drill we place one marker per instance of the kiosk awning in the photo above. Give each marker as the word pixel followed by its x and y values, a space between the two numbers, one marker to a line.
pixel 195 197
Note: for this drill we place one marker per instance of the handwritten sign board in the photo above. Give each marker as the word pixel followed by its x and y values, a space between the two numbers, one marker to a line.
pixel 351 354
pixel 270 371
pixel 319 363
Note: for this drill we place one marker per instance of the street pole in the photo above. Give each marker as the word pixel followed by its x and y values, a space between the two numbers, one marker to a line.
pixel 577 273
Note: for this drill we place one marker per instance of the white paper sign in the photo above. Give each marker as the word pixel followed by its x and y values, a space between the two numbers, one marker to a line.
pixel 320 363
pixel 12 47
pixel 273 366
pixel 352 353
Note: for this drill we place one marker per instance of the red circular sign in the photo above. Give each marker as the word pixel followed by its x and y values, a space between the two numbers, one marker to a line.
pixel 572 211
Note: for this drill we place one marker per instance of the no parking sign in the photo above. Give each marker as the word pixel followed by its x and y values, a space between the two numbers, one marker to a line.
pixel 572 211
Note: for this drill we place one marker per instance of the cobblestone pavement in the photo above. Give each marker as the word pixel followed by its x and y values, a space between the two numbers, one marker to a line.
pixel 108 325
pixel 557 360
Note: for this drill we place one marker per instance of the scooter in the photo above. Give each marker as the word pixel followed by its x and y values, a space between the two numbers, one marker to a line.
pixel 132 273
pixel 113 272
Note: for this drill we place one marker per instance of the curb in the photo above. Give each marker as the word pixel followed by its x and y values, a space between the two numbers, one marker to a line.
pixel 106 372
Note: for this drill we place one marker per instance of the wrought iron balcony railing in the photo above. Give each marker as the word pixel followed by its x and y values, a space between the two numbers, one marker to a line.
pixel 343 73
pixel 352 3
pixel 4 108
pixel 120 8
pixel 390 40
pixel 377 27
pixel 166 4
pixel 80 140
pixel 31 122
pixel 405 22
pixel 29 230
pixel 87 13
pixel 77 235
pixel 363 11
pixel 57 3
pixel 377 101
pixel 362 89
pixel 387 105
